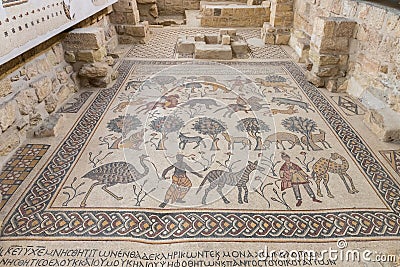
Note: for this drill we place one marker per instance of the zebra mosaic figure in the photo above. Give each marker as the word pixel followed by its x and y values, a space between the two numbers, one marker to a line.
pixel 219 179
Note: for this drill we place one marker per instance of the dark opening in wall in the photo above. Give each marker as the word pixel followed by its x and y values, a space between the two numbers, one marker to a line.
pixel 217 12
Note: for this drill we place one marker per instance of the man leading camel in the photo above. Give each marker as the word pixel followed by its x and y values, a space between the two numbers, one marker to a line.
pixel 293 176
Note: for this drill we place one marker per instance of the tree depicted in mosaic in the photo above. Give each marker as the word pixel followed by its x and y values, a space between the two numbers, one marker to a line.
pixel 305 126
pixel 253 127
pixel 210 127
pixel 166 125
pixel 123 125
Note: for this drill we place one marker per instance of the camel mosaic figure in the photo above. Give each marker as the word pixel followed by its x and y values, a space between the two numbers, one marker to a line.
pixel 236 139
pixel 218 179
pixel 114 173
pixel 280 137
pixel 324 166
pixel 314 139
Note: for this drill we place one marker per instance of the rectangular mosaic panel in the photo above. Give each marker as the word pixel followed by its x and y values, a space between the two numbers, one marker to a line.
pixel 18 168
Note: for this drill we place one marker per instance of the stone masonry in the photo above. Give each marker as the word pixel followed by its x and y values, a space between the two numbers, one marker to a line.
pixel 31 93
pixel 329 51
pixel 224 46
pixel 373 73
pixel 85 49
pixel 126 19
pixel 277 30
pixel 235 15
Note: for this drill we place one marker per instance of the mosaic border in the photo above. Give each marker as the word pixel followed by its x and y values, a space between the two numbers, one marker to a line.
pixel 32 219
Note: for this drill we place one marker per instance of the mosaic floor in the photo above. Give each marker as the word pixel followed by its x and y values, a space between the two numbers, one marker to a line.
pixel 199 163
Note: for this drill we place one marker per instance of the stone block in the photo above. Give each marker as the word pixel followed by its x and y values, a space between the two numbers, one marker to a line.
pixel 185 46
pixel 31 70
pixel 43 87
pixel 338 45
pixel 69 56
pixel 9 140
pixel 26 100
pixel 324 27
pixel 282 39
pixel 136 30
pixel 213 51
pixel 42 65
pixel 225 40
pixel 146 1
pixel 268 38
pixel 125 6
pixel 65 91
pixel 231 32
pixel 22 122
pixel 5 87
pixel 8 114
pixel 384 123
pixel 91 55
pixel 331 85
pixel 345 28
pixel 323 59
pixel 95 70
pixel 315 80
pixel 50 126
pixel 101 82
pixel 325 71
pixel 211 39
pixel 239 48
pixel 200 38
pixel 84 38
pixel 51 103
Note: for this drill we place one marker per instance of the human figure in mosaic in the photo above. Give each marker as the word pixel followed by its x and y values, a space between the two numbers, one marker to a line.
pixel 181 184
pixel 293 176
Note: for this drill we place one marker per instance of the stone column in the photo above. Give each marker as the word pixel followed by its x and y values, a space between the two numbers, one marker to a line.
pixel 277 30
pixel 329 51
pixel 127 22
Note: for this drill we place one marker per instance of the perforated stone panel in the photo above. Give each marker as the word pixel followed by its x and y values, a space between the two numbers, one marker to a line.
pixel 28 24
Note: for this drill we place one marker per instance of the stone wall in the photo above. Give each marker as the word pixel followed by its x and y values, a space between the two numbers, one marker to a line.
pixel 373 67
pixel 234 15
pixel 31 93
pixel 127 22
pixel 174 7
pixel 35 84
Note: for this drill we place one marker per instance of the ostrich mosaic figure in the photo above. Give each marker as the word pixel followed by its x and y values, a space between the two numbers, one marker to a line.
pixel 114 173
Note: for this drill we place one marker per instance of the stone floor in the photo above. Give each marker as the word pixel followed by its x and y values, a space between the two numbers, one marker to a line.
pixel 198 163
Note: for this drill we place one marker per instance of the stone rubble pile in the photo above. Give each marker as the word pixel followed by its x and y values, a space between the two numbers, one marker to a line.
pixel 223 46
pixel 85 49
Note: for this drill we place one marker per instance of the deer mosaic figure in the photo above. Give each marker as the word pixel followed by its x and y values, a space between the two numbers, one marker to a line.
pixel 280 137
pixel 316 138
pixel 236 139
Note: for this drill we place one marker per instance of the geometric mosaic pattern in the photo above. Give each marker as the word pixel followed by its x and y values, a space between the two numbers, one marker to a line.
pixel 18 168
pixel 393 157
pixel 32 218
pixel 162 44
